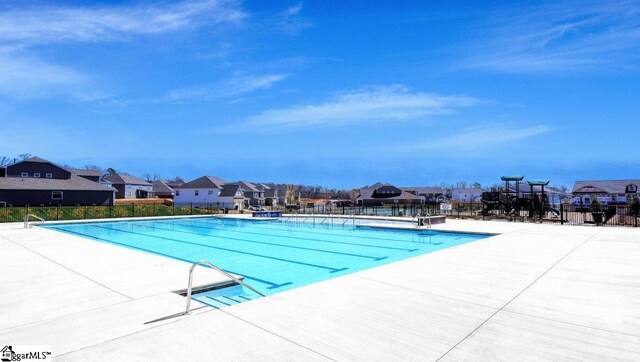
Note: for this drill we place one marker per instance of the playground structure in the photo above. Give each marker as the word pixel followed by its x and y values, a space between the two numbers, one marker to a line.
pixel 513 202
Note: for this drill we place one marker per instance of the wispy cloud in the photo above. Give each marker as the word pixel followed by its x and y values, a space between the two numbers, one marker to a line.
pixel 23 76
pixel 229 88
pixel 40 24
pixel 291 21
pixel 370 104
pixel 559 37
pixel 472 139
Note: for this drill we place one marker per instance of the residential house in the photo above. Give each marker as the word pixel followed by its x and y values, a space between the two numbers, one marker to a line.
pixel 386 194
pixel 203 190
pixel 466 195
pixel 271 197
pixel 430 194
pixel 162 190
pixel 270 193
pixel 130 187
pixel 279 194
pixel 91 175
pixel 36 181
pixel 253 194
pixel 232 196
pixel 175 183
pixel 608 192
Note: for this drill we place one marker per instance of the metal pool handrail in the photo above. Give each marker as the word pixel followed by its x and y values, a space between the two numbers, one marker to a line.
pixel 205 262
pixel 26 220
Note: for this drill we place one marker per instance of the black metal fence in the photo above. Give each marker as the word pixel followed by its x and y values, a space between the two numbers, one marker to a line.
pixel 17 214
pixel 619 215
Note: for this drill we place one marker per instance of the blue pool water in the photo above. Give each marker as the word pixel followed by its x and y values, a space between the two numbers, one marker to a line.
pixel 273 256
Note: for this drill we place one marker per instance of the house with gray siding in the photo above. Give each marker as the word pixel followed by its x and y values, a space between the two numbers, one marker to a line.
pixel 253 194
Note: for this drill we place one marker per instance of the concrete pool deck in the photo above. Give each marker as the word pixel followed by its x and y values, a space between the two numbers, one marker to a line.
pixel 534 292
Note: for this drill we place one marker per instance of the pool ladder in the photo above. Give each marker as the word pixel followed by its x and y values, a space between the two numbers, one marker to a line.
pixel 419 220
pixel 28 216
pixel 207 263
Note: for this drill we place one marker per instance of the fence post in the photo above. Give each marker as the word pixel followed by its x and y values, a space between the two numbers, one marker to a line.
pixel 191 209
pixel 561 214
pixel 134 210
pixel 58 212
pixel 173 208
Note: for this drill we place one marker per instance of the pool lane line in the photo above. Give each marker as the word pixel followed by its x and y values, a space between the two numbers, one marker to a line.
pixel 272 285
pixel 262 226
pixel 292 237
pixel 331 270
pixel 375 258
pixel 308 239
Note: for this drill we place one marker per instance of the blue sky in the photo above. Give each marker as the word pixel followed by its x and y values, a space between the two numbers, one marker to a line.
pixel 338 94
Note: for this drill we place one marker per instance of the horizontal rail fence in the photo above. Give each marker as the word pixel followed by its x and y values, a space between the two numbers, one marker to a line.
pixel 51 213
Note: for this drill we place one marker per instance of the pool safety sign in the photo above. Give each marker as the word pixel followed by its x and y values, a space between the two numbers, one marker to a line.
pixel 11 353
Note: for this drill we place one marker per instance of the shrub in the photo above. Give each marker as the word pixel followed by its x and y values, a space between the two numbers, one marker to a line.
pixel 634 207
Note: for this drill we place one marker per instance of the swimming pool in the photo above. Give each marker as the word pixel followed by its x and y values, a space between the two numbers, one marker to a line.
pixel 273 256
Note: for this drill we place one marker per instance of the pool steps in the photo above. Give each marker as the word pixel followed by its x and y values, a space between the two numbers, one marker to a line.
pixel 225 297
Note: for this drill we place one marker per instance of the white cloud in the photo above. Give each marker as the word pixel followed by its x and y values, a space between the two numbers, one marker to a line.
pixel 230 88
pixel 291 21
pixel 27 77
pixel 560 37
pixel 294 9
pixel 370 104
pixel 478 138
pixel 55 23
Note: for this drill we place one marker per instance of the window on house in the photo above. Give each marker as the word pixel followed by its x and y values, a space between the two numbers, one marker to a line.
pixel 210 192
pixel 56 195
pixel 48 175
pixel 24 174
pixel 196 193
pixel 37 174
pixel 177 192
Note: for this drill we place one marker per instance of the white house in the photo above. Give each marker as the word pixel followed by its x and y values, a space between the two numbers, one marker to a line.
pixel 606 191
pixel 203 190
pixel 466 195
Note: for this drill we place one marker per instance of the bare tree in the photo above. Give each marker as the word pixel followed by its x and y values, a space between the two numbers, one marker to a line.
pixel 291 196
pixel 94 168
pixel 462 184
pixel 476 185
pixel 151 177
pixel 4 160
pixel 24 156
pixel 562 188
